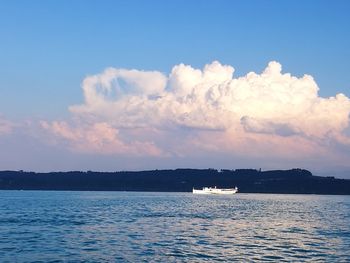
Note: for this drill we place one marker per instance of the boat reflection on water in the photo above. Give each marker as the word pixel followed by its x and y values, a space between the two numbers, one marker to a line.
pixel 216 191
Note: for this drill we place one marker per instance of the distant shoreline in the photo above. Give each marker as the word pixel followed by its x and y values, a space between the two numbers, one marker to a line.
pixel 293 181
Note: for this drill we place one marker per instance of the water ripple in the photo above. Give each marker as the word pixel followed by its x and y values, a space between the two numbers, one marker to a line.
pixel 39 226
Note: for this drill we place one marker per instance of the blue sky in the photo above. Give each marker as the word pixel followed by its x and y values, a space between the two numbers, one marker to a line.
pixel 48 47
pixel 57 102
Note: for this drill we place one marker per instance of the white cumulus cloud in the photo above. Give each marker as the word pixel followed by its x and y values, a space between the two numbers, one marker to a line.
pixel 212 98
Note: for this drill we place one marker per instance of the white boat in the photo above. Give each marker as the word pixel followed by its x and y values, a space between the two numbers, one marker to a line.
pixel 215 191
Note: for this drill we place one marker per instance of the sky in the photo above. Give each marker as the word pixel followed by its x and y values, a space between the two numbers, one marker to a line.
pixel 134 85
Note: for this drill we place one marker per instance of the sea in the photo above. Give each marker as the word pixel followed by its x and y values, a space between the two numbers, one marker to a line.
pixel 78 226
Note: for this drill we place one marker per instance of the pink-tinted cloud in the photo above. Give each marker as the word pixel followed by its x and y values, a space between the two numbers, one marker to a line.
pixel 98 138
pixel 6 126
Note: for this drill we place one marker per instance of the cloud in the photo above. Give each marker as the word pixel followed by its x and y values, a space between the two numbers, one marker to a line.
pixel 213 99
pixel 267 126
pixel 99 138
pixel 6 126
pixel 127 87
pixel 188 118
pixel 195 112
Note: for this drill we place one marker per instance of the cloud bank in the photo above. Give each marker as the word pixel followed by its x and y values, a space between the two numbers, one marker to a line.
pixel 99 138
pixel 191 111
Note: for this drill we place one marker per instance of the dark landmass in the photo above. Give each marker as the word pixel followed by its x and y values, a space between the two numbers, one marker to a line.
pixel 294 181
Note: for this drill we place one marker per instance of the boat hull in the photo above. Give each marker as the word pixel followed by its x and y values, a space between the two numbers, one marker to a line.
pixel 215 191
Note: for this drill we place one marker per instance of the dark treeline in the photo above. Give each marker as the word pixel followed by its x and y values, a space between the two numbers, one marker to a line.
pixel 295 181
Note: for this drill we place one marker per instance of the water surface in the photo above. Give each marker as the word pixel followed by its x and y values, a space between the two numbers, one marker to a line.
pixel 53 226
